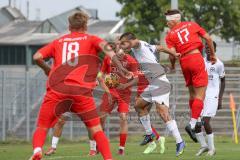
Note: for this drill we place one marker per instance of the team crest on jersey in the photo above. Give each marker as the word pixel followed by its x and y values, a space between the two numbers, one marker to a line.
pixel 212 69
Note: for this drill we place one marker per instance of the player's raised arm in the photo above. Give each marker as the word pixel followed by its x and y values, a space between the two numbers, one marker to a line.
pixel 106 48
pixel 209 42
pixel 171 52
pixel 100 78
pixel 222 85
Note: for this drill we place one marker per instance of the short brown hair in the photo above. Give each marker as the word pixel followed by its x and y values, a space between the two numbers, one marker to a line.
pixel 172 11
pixel 78 20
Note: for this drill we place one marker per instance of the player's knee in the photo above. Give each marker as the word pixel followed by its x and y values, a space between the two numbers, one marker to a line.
pixel 165 116
pixel 61 122
pixel 42 128
pixel 123 117
pixel 95 129
pixel 137 109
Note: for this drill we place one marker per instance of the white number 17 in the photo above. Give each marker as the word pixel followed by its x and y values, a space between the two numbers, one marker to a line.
pixel 183 34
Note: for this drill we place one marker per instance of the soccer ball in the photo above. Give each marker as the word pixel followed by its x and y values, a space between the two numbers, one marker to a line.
pixel 112 80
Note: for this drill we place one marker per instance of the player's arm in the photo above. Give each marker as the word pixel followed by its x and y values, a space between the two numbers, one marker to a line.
pixel 222 88
pixel 45 52
pixel 171 52
pixel 171 46
pixel 202 33
pixel 222 85
pixel 38 58
pixel 131 83
pixel 109 52
pixel 102 84
pixel 134 69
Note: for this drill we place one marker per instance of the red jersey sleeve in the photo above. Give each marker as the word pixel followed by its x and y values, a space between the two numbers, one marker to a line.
pixel 199 29
pixel 47 51
pixel 96 41
pixel 169 43
pixel 133 67
pixel 105 65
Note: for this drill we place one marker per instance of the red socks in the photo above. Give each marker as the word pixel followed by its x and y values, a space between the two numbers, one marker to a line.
pixel 196 109
pixel 103 145
pixel 123 139
pixel 190 103
pixel 39 138
pixel 155 132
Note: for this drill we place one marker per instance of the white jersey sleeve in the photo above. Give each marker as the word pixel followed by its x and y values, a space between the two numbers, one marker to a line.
pixel 221 70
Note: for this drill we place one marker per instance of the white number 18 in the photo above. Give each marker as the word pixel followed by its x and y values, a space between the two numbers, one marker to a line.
pixel 70 53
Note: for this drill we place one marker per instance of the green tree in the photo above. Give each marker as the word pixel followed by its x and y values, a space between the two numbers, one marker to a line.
pixel 146 17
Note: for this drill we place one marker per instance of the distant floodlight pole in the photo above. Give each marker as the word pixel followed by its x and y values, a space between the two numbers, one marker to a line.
pixel 174 4
pixel 9 3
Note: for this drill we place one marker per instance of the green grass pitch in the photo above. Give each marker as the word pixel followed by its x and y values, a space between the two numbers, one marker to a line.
pixel 226 150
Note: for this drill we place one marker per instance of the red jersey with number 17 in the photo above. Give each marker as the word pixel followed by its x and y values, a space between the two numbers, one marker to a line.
pixel 185 37
pixel 75 59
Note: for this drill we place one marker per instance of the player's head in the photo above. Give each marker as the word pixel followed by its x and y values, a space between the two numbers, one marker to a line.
pixel 173 17
pixel 78 21
pixel 119 52
pixel 128 40
pixel 208 53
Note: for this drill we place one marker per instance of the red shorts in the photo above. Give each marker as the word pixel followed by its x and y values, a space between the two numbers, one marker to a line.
pixel 194 70
pixel 122 98
pixel 54 105
pixel 142 84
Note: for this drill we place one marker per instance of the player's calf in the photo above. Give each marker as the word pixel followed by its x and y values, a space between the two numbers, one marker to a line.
pixel 123 133
pixel 102 141
pixel 210 136
pixel 201 139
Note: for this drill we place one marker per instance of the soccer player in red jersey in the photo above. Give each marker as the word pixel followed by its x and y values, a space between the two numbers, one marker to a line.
pixel 185 38
pixel 71 80
pixel 120 95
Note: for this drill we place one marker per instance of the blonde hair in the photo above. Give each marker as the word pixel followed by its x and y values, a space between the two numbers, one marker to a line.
pixel 78 20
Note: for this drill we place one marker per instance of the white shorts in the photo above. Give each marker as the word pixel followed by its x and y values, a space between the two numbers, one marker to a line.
pixel 158 91
pixel 67 115
pixel 210 107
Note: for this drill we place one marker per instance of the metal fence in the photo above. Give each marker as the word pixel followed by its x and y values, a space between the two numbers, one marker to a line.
pixel 21 94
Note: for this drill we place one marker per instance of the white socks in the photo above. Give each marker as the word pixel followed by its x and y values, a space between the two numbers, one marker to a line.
pixel 172 127
pixel 145 120
pixel 210 138
pixel 38 149
pixel 54 142
pixel 120 147
pixel 93 145
pixel 201 139
pixel 193 122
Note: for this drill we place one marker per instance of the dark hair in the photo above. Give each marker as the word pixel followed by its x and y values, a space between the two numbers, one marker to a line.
pixel 215 46
pixel 172 11
pixel 128 36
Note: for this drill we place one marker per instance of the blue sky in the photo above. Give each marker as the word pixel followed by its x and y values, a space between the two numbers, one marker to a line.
pixel 106 8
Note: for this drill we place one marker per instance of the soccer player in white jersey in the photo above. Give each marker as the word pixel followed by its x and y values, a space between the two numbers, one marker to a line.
pixel 212 102
pixel 158 90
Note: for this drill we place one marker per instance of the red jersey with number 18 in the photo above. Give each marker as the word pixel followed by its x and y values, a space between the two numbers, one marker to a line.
pixel 185 37
pixel 75 59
